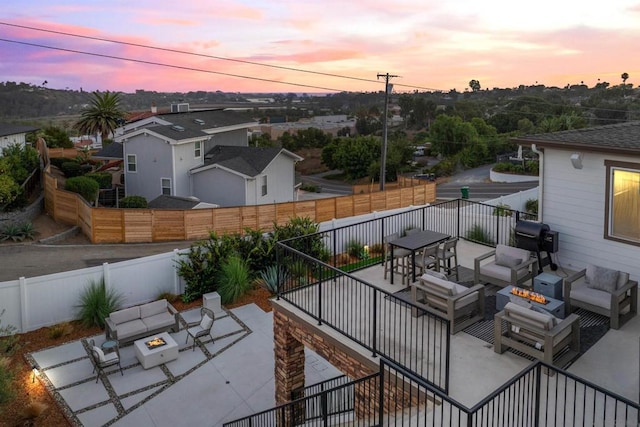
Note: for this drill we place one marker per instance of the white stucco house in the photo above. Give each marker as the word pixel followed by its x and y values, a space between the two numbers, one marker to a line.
pixel 590 193
pixel 204 155
pixel 11 134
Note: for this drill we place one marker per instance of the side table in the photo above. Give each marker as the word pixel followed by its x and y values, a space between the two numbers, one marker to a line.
pixel 109 346
pixel 548 285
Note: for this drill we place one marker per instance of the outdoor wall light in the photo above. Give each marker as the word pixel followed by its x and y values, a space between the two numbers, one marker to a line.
pixel 34 373
pixel 576 160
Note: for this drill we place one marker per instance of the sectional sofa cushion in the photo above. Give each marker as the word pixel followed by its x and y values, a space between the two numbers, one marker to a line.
pixel 125 315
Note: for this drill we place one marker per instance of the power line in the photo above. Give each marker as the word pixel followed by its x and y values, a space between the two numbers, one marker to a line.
pixel 163 49
pixel 180 67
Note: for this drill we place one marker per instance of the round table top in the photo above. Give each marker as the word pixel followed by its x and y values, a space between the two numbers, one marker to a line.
pixel 107 345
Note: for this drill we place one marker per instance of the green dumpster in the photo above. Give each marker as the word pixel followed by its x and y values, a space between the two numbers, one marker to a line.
pixel 465 192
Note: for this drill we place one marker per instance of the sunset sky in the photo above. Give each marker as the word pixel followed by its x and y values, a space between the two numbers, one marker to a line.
pixel 307 45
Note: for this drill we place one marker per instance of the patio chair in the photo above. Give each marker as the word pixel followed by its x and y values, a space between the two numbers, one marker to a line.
pixel 426 259
pixel 201 328
pixel 461 305
pixel 537 333
pixel 603 291
pixel 504 266
pixel 447 252
pixel 400 257
pixel 102 360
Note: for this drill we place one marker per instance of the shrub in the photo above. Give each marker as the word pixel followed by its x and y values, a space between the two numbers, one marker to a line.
pixel 133 202
pixel 9 189
pixel 71 169
pixel 502 209
pixel 58 161
pixel 60 330
pixel 233 279
pixel 531 206
pixel 170 297
pixel 27 230
pixel 86 187
pixel 271 278
pixel 102 178
pixel 356 249
pixel 7 372
pixel 478 234
pixel 11 231
pixel 33 410
pixel 96 303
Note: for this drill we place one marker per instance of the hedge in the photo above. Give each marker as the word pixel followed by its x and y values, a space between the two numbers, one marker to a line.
pixel 71 169
pixel 133 202
pixel 102 178
pixel 86 187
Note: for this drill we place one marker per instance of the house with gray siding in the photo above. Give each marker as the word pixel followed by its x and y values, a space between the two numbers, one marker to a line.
pixel 176 154
pixel 590 193
pixel 11 134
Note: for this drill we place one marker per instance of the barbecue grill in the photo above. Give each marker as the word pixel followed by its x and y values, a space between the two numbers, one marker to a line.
pixel 537 237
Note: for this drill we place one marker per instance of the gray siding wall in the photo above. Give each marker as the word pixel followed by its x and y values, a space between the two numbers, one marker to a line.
pixel 153 161
pixel 574 205
pixel 184 161
pixel 236 138
pixel 280 182
pixel 220 187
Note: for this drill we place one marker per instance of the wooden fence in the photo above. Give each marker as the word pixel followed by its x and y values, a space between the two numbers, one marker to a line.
pixel 373 187
pixel 110 225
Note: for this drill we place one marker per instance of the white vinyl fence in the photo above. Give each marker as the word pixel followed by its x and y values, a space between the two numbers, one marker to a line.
pixel 31 303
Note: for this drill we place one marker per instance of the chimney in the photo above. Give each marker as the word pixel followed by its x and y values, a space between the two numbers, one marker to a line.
pixel 154 109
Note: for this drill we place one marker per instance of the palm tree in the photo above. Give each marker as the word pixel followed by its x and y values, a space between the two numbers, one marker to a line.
pixel 103 116
pixel 624 77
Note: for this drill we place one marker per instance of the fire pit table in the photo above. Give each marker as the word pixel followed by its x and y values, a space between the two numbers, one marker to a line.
pixel 552 305
pixel 156 350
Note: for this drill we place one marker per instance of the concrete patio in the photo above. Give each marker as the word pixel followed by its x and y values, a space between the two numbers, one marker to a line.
pixel 226 379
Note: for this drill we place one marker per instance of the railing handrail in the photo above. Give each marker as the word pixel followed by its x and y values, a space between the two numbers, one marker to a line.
pixel 302 399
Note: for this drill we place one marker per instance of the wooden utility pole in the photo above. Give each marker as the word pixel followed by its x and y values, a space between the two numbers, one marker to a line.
pixel 383 158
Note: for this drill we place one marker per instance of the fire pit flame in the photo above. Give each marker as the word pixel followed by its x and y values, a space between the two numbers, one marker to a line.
pixel 155 342
pixel 532 296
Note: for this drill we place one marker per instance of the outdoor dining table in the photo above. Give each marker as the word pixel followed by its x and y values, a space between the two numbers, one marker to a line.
pixel 414 242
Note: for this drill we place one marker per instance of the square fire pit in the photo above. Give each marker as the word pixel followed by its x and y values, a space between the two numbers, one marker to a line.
pixel 156 350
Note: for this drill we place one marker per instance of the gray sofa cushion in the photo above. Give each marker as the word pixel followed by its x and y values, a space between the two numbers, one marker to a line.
pixel 126 315
pixel 527 317
pixel 131 328
pixel 439 286
pixel 506 260
pixel 153 308
pixel 508 256
pixel 500 272
pixel 158 321
pixel 603 279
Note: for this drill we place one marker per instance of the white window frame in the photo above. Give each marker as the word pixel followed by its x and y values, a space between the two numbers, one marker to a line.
pixel 163 186
pixel 197 149
pixel 612 167
pixel 263 185
pixel 135 163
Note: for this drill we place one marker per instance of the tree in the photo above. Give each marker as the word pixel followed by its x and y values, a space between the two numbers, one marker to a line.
pixel 102 116
pixel 474 85
pixel 624 77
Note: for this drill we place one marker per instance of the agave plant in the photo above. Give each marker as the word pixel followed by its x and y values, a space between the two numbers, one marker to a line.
pixel 27 230
pixel 272 277
pixel 13 232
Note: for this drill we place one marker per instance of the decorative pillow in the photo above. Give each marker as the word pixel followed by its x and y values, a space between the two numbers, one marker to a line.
pixel 437 274
pixel 206 322
pixel 505 260
pixel 99 352
pixel 601 278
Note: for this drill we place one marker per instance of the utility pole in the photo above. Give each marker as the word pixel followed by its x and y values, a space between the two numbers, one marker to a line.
pixel 383 159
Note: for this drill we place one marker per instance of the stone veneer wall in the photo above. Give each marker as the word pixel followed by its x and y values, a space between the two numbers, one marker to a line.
pixel 292 333
pixel 27 214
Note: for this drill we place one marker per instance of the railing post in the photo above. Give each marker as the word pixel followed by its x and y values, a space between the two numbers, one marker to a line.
pixel 424 218
pixel 382 235
pixel 374 327
pixel 498 228
pixel 279 290
pixel 381 393
pixel 335 249
pixel 536 416
pixel 458 220
pixel 320 301
pixel 325 411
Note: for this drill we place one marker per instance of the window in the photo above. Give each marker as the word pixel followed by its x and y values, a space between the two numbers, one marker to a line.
pixel 264 185
pixel 131 163
pixel 166 186
pixel 198 149
pixel 623 202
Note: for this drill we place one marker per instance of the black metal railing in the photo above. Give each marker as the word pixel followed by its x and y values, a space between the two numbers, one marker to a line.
pixel 379 321
pixel 319 387
pixel 315 410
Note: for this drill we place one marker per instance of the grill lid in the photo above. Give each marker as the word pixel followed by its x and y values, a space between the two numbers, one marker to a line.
pixel 529 234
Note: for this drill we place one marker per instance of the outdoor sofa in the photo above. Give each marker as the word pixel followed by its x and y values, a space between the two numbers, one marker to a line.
pixel 142 321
